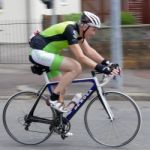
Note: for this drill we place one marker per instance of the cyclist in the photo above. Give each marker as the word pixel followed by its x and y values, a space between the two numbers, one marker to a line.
pixel 48 44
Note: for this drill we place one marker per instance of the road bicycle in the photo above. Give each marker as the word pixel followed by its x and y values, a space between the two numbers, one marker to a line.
pixel 111 118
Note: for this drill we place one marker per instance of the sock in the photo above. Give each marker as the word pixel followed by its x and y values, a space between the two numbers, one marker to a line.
pixel 54 97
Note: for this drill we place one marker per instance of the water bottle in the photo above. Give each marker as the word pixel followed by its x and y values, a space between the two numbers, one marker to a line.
pixel 74 101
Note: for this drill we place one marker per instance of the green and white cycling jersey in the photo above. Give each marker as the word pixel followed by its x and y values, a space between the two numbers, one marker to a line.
pixel 48 44
pixel 59 36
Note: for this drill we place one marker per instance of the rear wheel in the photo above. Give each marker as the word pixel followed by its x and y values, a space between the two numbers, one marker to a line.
pixel 16 112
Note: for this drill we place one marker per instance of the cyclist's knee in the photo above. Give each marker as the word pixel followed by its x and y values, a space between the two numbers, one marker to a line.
pixel 77 68
pixel 71 65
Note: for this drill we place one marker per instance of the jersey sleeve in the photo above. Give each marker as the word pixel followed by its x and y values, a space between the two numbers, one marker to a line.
pixel 71 35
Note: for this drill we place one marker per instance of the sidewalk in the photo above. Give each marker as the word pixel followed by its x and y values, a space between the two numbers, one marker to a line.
pixel 13 78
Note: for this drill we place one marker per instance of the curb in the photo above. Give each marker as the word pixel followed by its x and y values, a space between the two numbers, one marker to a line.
pixel 136 96
pixel 4 97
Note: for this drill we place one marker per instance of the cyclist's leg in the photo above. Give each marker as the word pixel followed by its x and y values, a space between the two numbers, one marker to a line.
pixel 69 66
pixel 56 76
pixel 71 69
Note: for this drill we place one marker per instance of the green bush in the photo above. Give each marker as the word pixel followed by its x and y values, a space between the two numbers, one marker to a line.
pixel 127 18
pixel 72 17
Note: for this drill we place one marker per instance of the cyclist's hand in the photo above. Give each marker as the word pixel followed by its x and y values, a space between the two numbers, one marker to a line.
pixel 114 66
pixel 116 70
pixel 103 69
pixel 106 62
pixel 36 32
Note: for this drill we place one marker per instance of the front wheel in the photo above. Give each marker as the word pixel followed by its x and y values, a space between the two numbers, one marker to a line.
pixel 119 131
pixel 15 114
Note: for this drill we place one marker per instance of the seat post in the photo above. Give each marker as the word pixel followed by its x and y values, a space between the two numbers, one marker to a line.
pixel 46 77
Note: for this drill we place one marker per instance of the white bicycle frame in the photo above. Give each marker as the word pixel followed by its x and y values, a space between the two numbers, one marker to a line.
pixel 99 86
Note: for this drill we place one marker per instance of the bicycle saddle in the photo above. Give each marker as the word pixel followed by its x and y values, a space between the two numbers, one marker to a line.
pixel 38 68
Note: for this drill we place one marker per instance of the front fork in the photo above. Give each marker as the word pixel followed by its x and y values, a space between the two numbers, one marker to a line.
pixel 103 100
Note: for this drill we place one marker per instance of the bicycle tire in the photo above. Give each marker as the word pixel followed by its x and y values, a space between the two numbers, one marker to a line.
pixel 119 132
pixel 15 110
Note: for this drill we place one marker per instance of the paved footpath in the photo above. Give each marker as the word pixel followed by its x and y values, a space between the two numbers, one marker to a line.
pixel 19 77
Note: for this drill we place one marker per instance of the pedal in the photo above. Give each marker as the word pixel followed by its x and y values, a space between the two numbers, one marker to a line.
pixel 63 136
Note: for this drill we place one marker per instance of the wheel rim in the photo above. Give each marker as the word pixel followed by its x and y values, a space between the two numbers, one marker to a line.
pixel 106 126
pixel 13 119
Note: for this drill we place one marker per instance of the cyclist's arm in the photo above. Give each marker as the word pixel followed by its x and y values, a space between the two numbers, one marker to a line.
pixel 90 52
pixel 71 36
pixel 79 55
pixel 77 51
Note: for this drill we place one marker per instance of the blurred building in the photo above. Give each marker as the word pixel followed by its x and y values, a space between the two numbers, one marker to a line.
pixel 21 17
pixel 139 8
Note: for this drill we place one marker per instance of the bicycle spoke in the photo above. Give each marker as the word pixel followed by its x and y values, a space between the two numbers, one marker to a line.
pixel 122 129
pixel 14 118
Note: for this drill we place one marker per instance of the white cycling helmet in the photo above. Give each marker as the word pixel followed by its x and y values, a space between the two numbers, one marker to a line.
pixel 90 19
